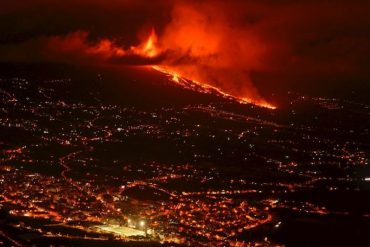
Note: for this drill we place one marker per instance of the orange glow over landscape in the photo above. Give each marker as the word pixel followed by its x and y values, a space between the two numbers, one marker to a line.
pixel 149 49
pixel 206 88
pixel 201 64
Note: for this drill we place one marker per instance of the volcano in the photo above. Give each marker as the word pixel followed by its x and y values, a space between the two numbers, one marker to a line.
pixel 128 85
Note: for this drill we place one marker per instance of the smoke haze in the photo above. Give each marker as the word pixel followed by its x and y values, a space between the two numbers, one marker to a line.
pixel 243 47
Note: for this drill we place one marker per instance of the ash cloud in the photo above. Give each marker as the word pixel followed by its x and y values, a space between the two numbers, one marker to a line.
pixel 76 48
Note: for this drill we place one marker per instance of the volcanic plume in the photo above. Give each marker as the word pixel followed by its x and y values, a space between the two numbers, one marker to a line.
pixel 211 67
pixel 205 44
pixel 241 49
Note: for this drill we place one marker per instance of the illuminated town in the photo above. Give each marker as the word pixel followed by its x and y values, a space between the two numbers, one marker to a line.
pixel 100 172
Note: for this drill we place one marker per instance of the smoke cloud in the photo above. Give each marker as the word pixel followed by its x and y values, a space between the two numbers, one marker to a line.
pixel 243 47
pixel 210 45
pixel 230 44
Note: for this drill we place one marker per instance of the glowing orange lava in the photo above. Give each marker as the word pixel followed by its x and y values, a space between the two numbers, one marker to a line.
pixel 150 49
pixel 206 88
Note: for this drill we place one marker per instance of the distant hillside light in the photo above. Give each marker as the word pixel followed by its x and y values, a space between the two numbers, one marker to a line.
pixel 142 223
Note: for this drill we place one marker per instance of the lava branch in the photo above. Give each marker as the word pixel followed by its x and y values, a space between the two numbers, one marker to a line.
pixel 207 88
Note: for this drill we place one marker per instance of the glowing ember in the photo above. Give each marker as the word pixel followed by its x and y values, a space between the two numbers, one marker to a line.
pixel 149 48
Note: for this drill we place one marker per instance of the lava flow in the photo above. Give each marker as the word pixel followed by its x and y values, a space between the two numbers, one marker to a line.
pixel 206 88
pixel 192 70
pixel 150 49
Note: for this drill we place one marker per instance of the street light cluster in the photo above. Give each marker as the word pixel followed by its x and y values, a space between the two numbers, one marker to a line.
pixel 132 223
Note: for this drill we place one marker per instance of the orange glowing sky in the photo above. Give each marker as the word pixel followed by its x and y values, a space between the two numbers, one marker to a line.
pixel 242 49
